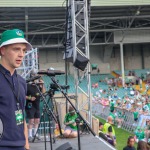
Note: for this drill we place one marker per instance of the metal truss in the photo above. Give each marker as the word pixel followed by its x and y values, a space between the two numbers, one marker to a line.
pixel 78 44
pixel 29 63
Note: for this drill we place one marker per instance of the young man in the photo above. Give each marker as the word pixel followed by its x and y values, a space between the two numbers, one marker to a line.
pixel 13 47
pixel 130 144
pixel 33 105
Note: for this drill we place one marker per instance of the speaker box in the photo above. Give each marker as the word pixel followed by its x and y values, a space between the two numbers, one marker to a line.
pixel 81 62
pixel 66 146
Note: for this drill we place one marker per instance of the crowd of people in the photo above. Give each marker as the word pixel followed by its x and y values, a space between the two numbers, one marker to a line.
pixel 132 101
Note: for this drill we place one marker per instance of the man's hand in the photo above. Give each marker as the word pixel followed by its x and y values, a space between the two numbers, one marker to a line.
pixel 33 98
pixel 41 82
pixel 68 123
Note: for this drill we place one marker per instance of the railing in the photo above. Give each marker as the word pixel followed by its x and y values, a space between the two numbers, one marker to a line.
pixel 128 122
pixel 41 128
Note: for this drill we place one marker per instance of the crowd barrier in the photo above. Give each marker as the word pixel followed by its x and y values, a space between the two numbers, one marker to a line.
pixel 41 128
pixel 128 123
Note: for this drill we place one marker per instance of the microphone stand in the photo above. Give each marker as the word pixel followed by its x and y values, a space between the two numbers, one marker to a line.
pixel 78 129
pixel 51 95
pixel 80 116
pixel 46 109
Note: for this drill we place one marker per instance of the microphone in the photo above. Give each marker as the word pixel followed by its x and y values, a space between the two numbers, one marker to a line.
pixel 51 72
pixel 32 79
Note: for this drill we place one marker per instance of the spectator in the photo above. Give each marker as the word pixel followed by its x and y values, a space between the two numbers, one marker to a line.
pixel 33 106
pixel 112 105
pixel 133 73
pixel 140 82
pixel 147 130
pixel 143 146
pixel 130 144
pixel 131 91
pixel 130 73
pixel 101 134
pixel 71 127
pixel 113 115
pixel 145 108
pixel 142 76
pixel 119 118
pixel 128 105
pixel 136 115
pixel 139 135
pixel 109 131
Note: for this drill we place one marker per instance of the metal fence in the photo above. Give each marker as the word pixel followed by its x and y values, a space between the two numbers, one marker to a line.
pixel 128 122
pixel 41 128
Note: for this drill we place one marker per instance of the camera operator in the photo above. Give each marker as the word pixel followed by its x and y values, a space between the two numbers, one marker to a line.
pixel 33 106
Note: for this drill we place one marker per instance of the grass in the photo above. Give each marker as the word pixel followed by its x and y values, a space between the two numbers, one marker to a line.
pixel 121 136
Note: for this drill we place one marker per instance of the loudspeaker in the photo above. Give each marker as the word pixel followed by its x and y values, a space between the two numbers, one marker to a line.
pixel 81 62
pixel 66 146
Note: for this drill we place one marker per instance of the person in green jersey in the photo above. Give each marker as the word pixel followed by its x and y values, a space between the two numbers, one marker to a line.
pixel 139 135
pixel 136 115
pixel 148 104
pixel 69 121
pixel 112 106
pixel 112 114
pixel 120 117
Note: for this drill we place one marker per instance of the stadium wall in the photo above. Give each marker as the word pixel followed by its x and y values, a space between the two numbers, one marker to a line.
pixel 132 58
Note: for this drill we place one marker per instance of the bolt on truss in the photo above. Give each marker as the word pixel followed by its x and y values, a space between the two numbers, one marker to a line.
pixel 29 63
pixel 77 46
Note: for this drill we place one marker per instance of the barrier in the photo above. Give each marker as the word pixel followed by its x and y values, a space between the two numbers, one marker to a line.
pixel 128 122
pixel 41 128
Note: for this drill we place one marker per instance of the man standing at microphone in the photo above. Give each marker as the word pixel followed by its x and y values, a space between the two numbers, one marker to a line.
pixel 33 105
pixel 13 130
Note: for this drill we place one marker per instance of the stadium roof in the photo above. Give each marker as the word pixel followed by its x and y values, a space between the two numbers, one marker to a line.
pixel 60 3
pixel 45 26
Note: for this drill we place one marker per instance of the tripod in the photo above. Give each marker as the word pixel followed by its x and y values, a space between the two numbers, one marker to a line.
pixel 80 117
pixel 46 111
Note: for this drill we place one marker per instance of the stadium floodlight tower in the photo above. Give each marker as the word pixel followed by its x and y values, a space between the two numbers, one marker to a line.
pixel 30 62
pixel 77 51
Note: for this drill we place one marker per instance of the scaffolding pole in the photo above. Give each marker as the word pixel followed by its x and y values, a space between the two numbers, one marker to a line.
pixel 122 63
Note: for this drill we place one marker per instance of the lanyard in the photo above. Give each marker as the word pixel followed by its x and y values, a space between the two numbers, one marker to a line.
pixel 16 95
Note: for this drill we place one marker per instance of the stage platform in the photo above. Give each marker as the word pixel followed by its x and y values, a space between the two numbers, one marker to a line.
pixel 88 142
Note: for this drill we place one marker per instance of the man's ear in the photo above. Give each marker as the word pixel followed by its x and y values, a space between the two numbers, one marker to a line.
pixel 2 50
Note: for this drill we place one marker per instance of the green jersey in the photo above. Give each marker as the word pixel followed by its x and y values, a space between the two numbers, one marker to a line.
pixel 120 115
pixel 135 114
pixel 148 104
pixel 112 106
pixel 140 135
pixel 112 115
pixel 71 118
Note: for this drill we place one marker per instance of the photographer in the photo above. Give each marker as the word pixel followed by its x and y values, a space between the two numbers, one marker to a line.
pixel 71 127
pixel 33 105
